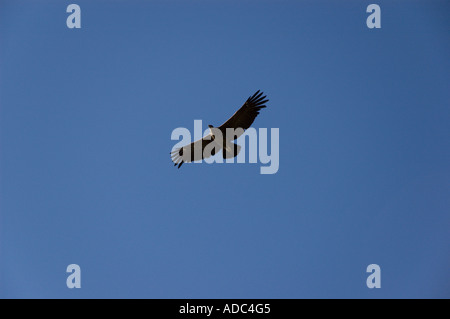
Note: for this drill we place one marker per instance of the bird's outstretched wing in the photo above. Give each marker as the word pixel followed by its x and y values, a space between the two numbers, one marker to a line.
pixel 245 116
pixel 195 151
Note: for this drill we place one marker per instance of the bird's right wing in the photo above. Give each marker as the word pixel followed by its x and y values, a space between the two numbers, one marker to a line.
pixel 244 117
pixel 195 151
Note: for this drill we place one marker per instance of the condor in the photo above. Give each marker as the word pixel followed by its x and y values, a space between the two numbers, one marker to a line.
pixel 220 137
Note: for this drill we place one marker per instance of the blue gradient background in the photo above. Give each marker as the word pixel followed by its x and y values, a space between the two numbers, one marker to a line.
pixel 85 123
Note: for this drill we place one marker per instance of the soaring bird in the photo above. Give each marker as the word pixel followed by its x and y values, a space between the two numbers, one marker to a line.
pixel 221 137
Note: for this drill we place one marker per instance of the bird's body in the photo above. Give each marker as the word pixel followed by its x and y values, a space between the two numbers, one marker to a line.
pixel 220 138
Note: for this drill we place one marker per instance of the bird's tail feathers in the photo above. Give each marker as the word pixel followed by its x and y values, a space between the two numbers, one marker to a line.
pixel 231 150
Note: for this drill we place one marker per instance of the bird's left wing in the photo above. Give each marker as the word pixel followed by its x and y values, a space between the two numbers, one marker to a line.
pixel 195 151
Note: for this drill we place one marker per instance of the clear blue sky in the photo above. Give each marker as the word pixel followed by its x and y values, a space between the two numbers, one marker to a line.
pixel 86 117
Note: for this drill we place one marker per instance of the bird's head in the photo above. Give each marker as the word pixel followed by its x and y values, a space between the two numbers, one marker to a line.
pixel 212 129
